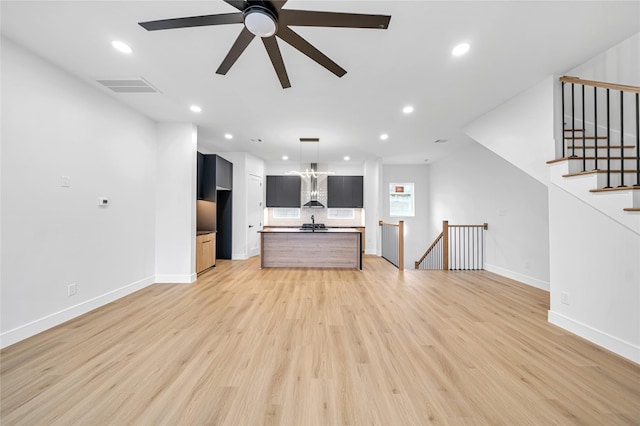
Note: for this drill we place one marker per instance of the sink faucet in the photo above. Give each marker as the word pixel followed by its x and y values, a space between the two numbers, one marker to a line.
pixel 313 223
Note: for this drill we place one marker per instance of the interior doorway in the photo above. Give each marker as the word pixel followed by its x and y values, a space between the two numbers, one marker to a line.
pixel 254 215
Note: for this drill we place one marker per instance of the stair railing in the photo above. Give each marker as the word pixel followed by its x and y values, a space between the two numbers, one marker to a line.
pixel 579 134
pixel 457 247
pixel 392 236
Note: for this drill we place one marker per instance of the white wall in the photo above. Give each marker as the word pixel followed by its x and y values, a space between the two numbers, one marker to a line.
pixel 619 64
pixel 416 228
pixel 175 260
pixel 521 130
pixel 596 262
pixel 372 205
pixel 54 125
pixel 475 186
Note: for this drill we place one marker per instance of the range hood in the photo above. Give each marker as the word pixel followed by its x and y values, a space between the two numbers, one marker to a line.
pixel 313 202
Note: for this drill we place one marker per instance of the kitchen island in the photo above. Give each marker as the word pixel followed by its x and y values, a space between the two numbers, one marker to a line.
pixel 296 248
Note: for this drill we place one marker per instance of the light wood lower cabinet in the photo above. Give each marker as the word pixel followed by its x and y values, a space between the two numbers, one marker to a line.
pixel 205 251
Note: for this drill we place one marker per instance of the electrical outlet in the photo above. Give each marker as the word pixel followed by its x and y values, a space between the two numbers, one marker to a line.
pixel 72 289
pixel 65 181
pixel 564 297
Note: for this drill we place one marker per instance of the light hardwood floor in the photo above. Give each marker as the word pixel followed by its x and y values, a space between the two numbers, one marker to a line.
pixel 247 346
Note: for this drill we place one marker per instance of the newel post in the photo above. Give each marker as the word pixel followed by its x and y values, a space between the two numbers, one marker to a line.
pixel 445 245
pixel 401 245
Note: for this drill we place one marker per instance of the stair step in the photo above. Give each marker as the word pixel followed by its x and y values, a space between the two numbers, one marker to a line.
pixel 574 130
pixel 632 209
pixel 558 160
pixel 599 158
pixel 589 172
pixel 621 188
pixel 600 147
pixel 585 137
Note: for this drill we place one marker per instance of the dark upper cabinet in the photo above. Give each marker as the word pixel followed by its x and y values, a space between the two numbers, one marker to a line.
pixel 214 172
pixel 283 191
pixel 344 191
pixel 200 162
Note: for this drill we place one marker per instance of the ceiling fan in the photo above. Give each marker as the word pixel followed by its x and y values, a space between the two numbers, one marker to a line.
pixel 267 19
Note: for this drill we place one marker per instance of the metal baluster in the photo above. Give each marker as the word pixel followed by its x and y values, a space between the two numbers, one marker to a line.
pixel 573 121
pixel 563 129
pixel 466 248
pixel 473 252
pixel 595 126
pixel 637 141
pixel 621 141
pixel 584 138
pixel 483 249
pixel 608 144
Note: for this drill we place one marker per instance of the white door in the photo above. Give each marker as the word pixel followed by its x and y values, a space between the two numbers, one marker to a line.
pixel 254 215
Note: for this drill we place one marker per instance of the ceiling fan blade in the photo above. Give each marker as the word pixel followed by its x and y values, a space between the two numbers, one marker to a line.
pixel 310 18
pixel 271 44
pixel 236 50
pixel 296 41
pixel 193 21
pixel 238 4
pixel 277 4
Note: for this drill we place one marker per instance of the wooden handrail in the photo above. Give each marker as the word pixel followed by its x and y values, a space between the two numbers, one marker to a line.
pixel 578 80
pixel 380 223
pixel 484 225
pixel 426 253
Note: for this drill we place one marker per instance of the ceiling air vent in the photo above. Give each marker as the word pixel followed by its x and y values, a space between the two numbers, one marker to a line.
pixel 129 85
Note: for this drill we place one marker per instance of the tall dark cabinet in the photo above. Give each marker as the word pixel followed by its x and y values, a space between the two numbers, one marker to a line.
pixel 215 184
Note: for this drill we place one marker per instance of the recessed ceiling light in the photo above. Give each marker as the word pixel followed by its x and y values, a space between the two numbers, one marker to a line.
pixel 460 49
pixel 195 108
pixel 347 158
pixel 384 136
pixel 121 47
pixel 408 109
pixel 228 136
pixel 284 157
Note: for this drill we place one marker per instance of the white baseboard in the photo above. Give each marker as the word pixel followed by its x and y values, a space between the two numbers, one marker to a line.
pixel 38 326
pixel 175 279
pixel 239 256
pixel 612 343
pixel 533 282
pixel 370 251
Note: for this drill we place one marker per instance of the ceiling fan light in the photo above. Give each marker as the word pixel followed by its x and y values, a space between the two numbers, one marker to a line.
pixel 259 21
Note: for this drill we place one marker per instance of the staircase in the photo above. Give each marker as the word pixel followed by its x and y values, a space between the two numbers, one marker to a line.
pixel 600 152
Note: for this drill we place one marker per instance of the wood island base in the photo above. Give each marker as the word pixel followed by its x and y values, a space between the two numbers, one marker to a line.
pixel 292 248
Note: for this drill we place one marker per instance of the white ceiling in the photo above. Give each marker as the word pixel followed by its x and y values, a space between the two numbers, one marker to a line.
pixel 514 45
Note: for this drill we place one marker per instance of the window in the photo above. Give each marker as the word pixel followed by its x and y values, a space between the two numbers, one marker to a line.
pixel 401 199
pixel 282 213
pixel 341 214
